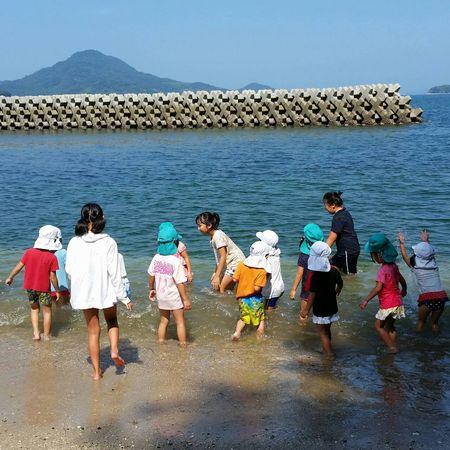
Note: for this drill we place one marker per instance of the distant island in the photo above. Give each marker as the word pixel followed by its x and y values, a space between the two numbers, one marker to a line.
pixel 444 89
pixel 92 72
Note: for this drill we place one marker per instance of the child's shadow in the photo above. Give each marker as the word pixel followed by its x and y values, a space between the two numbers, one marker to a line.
pixel 129 353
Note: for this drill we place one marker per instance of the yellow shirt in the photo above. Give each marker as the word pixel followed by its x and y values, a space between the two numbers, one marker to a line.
pixel 247 278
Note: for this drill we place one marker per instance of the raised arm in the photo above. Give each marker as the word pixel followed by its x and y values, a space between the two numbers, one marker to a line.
pixel 20 265
pixel 406 258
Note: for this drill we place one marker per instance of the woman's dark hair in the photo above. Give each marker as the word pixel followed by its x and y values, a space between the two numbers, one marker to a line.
pixel 333 198
pixel 90 213
pixel 209 219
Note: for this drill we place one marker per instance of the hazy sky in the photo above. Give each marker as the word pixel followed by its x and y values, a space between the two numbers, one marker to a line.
pixel 231 43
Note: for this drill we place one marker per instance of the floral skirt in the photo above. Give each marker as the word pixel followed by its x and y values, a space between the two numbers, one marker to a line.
pixel 397 312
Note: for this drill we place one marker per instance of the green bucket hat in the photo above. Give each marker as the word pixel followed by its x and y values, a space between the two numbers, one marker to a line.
pixel 311 233
pixel 167 235
pixel 379 243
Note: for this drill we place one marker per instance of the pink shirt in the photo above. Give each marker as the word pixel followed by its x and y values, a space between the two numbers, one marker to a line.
pixel 389 297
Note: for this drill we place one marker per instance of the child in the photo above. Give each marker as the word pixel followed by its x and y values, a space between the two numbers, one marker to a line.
pixel 61 275
pixel 325 284
pixel 423 264
pixel 311 233
pixel 124 276
pixel 166 283
pixel 40 268
pixel 342 233
pixel 250 275
pixel 274 287
pixel 389 295
pixel 228 255
pixel 184 257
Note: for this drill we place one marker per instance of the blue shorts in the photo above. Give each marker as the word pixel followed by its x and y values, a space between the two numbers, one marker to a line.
pixel 272 302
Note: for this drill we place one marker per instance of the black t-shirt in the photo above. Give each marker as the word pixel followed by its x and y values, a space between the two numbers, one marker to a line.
pixel 324 285
pixel 347 240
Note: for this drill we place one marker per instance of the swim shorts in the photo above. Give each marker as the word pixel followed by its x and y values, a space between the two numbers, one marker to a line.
pixel 42 298
pixel 272 302
pixel 252 309
pixel 345 262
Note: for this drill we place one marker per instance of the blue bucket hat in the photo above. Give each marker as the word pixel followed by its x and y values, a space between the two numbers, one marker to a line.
pixel 311 233
pixel 379 243
pixel 167 235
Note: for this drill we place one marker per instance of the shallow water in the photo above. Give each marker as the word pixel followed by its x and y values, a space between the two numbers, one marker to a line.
pixel 394 178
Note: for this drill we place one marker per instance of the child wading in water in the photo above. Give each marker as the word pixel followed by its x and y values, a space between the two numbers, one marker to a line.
pixel 40 268
pixel 387 289
pixel 342 233
pixel 311 234
pixel 432 296
pixel 182 253
pixel 325 285
pixel 166 283
pixel 250 276
pixel 274 287
pixel 61 275
pixel 228 255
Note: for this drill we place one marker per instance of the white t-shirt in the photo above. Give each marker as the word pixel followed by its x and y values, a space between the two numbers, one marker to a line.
pixel 234 253
pixel 168 272
pixel 275 285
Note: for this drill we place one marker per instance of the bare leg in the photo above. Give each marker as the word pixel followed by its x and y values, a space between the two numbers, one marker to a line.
pixel 325 338
pixel 239 327
pixel 305 307
pixel 226 283
pixel 113 334
pixel 34 316
pixel 47 315
pixel 164 318
pixel 389 326
pixel 93 328
pixel 178 315
pixel 260 330
pixel 422 317
pixel 435 315
pixel 385 336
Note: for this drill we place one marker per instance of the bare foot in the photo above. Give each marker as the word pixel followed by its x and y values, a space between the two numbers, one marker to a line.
pixel 118 361
pixel 161 341
pixel 435 328
pixel 420 326
pixel 183 344
pixel 392 350
pixel 329 355
pixel 259 335
pixel 37 337
pixel 45 337
pixel 302 320
pixel 235 336
pixel 97 375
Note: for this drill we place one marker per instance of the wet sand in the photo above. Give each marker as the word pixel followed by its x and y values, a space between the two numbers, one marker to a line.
pixel 217 394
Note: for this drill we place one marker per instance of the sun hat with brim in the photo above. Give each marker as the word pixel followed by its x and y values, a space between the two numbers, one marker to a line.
pixel 49 238
pixel 269 237
pixel 167 235
pixel 424 253
pixel 318 257
pixel 257 258
pixel 311 233
pixel 379 243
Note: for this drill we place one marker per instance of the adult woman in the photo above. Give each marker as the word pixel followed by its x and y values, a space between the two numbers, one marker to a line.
pixel 92 265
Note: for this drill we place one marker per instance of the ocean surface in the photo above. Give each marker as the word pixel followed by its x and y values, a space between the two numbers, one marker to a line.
pixel 394 178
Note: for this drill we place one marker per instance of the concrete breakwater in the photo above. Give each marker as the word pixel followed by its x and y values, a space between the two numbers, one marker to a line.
pixel 377 104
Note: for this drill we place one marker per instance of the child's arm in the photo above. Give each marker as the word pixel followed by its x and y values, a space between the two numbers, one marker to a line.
pixel 14 272
pixel 215 279
pixel 373 293
pixel 257 289
pixel 54 280
pixel 184 297
pixel 406 258
pixel 331 238
pixel 297 280
pixel 151 287
pixel 185 256
pixel 339 283
pixel 403 285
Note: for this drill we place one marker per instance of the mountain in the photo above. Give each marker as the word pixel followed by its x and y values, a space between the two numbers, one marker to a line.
pixel 255 87
pixel 92 72
pixel 444 89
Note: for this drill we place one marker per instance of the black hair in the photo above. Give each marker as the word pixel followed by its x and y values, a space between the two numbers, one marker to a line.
pixel 333 198
pixel 90 213
pixel 209 219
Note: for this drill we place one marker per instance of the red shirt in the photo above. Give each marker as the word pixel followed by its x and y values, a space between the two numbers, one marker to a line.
pixel 38 265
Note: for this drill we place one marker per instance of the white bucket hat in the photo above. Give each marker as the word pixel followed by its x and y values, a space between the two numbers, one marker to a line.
pixel 424 253
pixel 318 257
pixel 269 237
pixel 49 238
pixel 258 252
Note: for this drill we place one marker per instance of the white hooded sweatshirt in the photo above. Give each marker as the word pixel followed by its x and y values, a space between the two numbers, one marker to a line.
pixel 92 264
pixel 275 285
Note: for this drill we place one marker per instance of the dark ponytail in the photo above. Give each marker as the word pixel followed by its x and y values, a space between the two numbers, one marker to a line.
pixel 91 213
pixel 211 219
pixel 333 198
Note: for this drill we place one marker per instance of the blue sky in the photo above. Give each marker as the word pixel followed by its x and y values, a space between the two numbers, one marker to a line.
pixel 229 44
